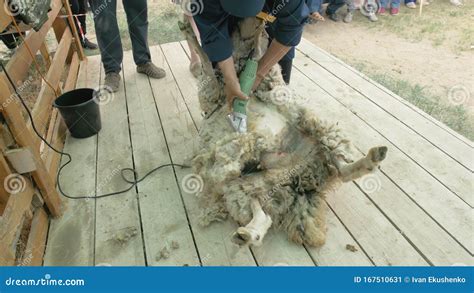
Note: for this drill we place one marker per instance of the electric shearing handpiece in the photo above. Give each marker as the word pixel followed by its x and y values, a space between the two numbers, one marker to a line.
pixel 238 118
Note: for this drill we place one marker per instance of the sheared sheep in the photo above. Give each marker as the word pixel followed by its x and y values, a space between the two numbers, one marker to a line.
pixel 276 174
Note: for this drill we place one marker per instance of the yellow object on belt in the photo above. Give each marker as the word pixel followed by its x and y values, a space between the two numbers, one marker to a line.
pixel 266 17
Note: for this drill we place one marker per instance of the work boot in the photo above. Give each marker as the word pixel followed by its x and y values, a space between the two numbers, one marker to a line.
pixel 86 44
pixel 334 17
pixel 348 17
pixel 151 70
pixel 112 81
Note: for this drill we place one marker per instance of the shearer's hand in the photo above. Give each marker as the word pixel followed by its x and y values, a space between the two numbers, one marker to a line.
pixel 232 92
pixel 232 85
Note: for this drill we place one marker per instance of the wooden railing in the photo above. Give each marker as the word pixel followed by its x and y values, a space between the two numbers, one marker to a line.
pixel 27 200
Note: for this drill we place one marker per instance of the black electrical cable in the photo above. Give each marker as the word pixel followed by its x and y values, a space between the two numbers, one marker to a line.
pixel 133 182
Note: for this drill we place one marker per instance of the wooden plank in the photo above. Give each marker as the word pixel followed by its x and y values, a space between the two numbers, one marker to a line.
pixel 119 239
pixel 214 242
pixel 5 19
pixel 149 151
pixel 458 179
pixel 21 61
pixel 450 211
pixel 378 237
pixel 75 34
pixel 71 237
pixel 434 241
pixel 42 109
pixel 376 98
pixel 12 221
pixel 319 55
pixel 59 27
pixel 45 53
pixel 12 113
pixel 4 172
pixel 71 79
pixel 36 244
pixel 59 129
pixel 276 249
pixel 340 248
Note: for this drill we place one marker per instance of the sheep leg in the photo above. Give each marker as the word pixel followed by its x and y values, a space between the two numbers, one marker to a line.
pixel 363 166
pixel 253 232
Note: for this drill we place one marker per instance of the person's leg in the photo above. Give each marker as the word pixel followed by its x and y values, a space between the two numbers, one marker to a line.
pixel 395 3
pixel 137 18
pixel 332 8
pixel 410 3
pixel 82 17
pixel 350 5
pixel 195 65
pixel 334 5
pixel 384 4
pixel 350 11
pixel 286 64
pixel 75 9
pixel 108 34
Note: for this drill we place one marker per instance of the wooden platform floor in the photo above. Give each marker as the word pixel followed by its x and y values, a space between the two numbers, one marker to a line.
pixel 417 210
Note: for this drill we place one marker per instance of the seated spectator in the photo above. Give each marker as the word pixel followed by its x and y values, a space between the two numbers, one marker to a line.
pixel 315 10
pixel 334 5
pixel 395 7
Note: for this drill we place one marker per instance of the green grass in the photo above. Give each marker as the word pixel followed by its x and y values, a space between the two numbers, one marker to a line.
pixel 441 23
pixel 162 28
pixel 454 116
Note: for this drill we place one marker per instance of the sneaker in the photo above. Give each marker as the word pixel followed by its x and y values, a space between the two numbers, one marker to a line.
pixel 151 70
pixel 456 2
pixel 112 81
pixel 411 5
pixel 348 17
pixel 394 11
pixel 382 11
pixel 372 17
pixel 334 17
pixel 86 44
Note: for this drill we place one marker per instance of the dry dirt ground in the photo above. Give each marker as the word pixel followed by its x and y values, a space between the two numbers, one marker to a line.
pixel 437 68
pixel 424 59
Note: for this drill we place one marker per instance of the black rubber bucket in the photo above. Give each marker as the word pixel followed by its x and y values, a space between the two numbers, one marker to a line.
pixel 81 112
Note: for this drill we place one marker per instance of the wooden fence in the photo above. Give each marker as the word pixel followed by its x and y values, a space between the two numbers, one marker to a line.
pixel 27 200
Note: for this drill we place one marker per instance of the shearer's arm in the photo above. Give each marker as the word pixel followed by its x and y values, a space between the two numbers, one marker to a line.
pixel 274 53
pixel 287 30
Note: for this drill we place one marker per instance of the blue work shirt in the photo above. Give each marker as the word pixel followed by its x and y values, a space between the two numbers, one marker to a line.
pixel 216 26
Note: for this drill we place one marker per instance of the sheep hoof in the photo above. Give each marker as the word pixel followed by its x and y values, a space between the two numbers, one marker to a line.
pixel 378 154
pixel 242 236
